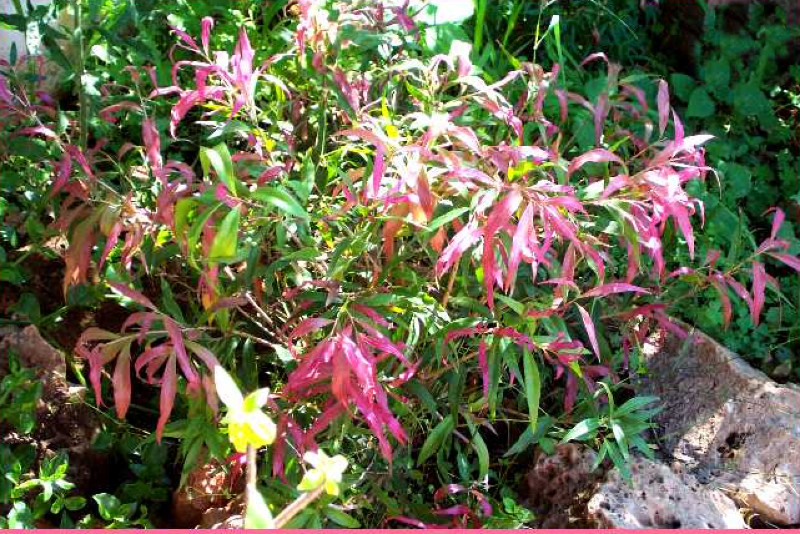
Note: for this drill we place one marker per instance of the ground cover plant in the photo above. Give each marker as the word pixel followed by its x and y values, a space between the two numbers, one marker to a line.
pixel 356 254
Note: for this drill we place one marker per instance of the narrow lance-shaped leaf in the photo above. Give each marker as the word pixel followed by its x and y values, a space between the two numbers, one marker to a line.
pixel 791 261
pixel 663 105
pixel 169 388
pixel 759 284
pixel 533 387
pixel 122 381
pixel 598 155
pixel 613 288
pixel 590 332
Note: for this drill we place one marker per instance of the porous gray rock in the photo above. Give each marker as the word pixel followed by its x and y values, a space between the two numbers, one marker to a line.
pixel 33 352
pixel 727 423
pixel 560 484
pixel 657 497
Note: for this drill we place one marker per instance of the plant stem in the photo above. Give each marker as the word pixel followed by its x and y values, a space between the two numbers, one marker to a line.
pixel 83 111
pixel 450 281
pixel 296 507
pixel 480 20
pixel 251 466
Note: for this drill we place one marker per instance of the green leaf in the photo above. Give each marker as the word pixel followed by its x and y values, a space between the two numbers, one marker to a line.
pixel 483 456
pixel 219 158
pixel 341 518
pixel 737 180
pixel 529 437
pixel 257 514
pixel 717 74
pixel 280 199
pixel 107 505
pixel 533 387
pixel 435 439
pixel 634 404
pixel 446 218
pixel 20 517
pixel 74 503
pixel 700 104
pixel 681 85
pixel 619 461
pixel 619 436
pixel 227 239
pixel 582 430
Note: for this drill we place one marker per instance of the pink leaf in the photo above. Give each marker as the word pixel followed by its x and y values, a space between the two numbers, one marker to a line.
pixel 601 110
pixel 133 295
pixel 111 242
pixel 122 382
pixel 205 32
pixel 312 324
pixel 483 365
pixel 169 387
pixel 722 289
pixel 759 284
pixel 44 131
pixel 597 155
pixel 589 325
pixel 186 38
pixel 106 112
pixel 777 221
pixel 176 336
pixel 152 143
pixel 740 290
pixel 593 57
pixel 663 105
pixel 612 288
pixel 791 261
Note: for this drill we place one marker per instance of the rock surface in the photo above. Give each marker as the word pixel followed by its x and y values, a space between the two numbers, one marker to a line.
pixel 728 423
pixel 207 499
pixel 559 485
pixel 659 498
pixel 33 352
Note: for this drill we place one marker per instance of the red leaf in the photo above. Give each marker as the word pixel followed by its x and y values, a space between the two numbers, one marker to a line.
pixel 612 288
pixel 589 325
pixel 663 105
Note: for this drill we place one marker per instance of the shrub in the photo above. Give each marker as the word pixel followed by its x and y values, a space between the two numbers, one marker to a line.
pixel 390 238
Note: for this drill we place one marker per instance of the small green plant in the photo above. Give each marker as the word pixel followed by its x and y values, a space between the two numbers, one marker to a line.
pixel 51 489
pixel 117 514
pixel 19 394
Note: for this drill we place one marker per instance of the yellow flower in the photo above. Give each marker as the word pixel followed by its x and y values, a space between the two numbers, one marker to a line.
pixel 326 471
pixel 247 423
